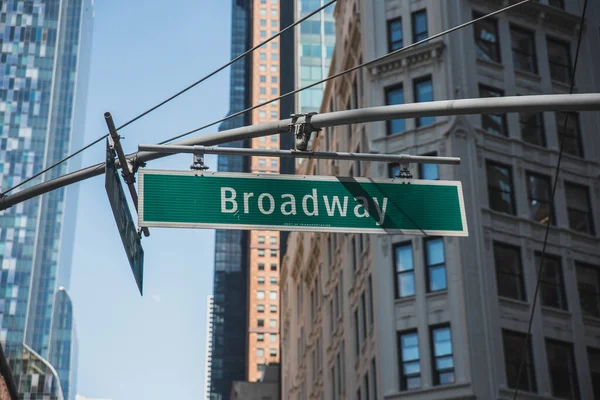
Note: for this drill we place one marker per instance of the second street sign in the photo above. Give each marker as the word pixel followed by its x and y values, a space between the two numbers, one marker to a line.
pixel 191 199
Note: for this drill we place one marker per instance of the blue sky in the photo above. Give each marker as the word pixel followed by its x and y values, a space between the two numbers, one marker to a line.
pixel 150 347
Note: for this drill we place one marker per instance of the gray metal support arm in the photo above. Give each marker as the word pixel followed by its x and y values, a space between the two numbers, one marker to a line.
pixel 495 105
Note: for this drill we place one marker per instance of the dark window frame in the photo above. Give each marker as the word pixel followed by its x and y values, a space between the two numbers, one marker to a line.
pixel 585 294
pixel 391 42
pixel 520 276
pixel 527 381
pixel 498 190
pixel 387 91
pixel 560 124
pixel 531 34
pixel 397 273
pixel 405 377
pixel 566 346
pixel 502 116
pixel 417 81
pixel 568 66
pixel 497 57
pixel 429 266
pixel 539 126
pixel 590 215
pixel 557 287
pixel 530 198
pixel 435 372
pixel 416 34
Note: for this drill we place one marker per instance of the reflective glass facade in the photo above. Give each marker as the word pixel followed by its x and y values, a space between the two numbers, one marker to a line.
pixel 230 296
pixel 44 58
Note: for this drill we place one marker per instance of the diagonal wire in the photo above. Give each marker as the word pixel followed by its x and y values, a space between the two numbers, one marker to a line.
pixel 406 48
pixel 551 211
pixel 199 81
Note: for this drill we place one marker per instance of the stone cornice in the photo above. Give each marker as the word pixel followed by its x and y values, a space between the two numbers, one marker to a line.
pixel 408 59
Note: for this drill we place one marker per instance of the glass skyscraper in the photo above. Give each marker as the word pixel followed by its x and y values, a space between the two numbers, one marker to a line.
pixel 45 50
pixel 230 289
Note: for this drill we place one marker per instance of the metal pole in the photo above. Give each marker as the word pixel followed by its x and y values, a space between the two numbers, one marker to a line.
pixel 496 105
pixel 127 173
pixel 400 158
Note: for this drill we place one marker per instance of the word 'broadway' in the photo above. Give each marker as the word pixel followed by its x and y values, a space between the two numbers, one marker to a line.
pixel 307 203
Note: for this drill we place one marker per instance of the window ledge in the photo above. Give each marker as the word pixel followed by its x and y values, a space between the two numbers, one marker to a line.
pixel 489 63
pixel 405 300
pixel 506 392
pixel 523 305
pixel 432 389
pixel 563 86
pixel 437 293
pixel 591 320
pixel 528 75
pixel 556 312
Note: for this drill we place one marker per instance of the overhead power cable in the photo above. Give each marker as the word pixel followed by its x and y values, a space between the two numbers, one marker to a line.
pixel 365 64
pixel 526 342
pixel 199 81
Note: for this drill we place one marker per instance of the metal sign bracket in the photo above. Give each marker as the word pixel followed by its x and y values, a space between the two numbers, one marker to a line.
pixel 303 130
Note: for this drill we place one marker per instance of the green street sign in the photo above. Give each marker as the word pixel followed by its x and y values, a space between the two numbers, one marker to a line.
pixel 118 203
pixel 195 199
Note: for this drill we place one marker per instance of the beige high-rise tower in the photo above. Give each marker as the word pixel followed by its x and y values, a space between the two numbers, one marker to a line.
pixel 263 271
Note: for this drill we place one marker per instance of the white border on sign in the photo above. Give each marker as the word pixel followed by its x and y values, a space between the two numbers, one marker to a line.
pixel 296 228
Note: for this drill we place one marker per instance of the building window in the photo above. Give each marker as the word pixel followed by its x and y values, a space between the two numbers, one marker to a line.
pixel 588 283
pixel 261 280
pixel 273 337
pixel 273 280
pixel 395 41
pixel 410 365
pixel 404 270
pixel 260 323
pixel 532 128
pixel 273 79
pixel 500 188
pixel 262 78
pixel 523 50
pixel 273 352
pixel 493 123
pixel 261 252
pixel 509 271
pixel 260 294
pixel 419 25
pixel 273 308
pixel 260 337
pixel 273 267
pixel 561 366
pixel 436 265
pixel 262 163
pixel 578 208
pixel 513 351
pixel 594 359
pixel 423 89
pixel 261 267
pixel 273 252
pixel 260 308
pixel 552 287
pixel 371 306
pixel 486 39
pixel 273 295
pixel 558 4
pixel 273 323
pixel 539 196
pixel 273 239
pixel 572 139
pixel 260 352
pixel 443 362
pixel 395 95
pixel 429 171
pixel 559 58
